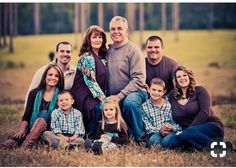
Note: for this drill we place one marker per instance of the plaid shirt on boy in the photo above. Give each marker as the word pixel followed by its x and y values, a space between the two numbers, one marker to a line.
pixel 71 123
pixel 154 117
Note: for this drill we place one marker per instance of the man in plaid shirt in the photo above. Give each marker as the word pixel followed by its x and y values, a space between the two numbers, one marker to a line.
pixel 157 115
pixel 67 127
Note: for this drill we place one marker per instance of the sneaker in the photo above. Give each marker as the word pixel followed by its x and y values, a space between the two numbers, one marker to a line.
pixel 88 144
pixel 97 148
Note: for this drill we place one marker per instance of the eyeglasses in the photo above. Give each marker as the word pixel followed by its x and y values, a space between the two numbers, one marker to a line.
pixel 67 51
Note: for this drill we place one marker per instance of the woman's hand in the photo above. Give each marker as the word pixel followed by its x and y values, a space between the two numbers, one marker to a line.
pixel 20 134
pixel 23 129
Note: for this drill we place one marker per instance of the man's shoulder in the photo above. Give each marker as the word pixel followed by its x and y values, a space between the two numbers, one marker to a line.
pixel 72 68
pixel 169 61
pixel 167 58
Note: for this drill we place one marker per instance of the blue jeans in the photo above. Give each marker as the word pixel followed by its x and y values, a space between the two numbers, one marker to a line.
pixel 91 126
pixel 158 139
pixel 132 113
pixel 198 137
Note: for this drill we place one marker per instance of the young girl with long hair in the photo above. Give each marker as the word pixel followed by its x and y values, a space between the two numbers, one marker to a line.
pixel 112 130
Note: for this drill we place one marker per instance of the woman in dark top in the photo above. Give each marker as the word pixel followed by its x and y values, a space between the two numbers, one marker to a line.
pixel 191 109
pixel 40 103
pixel 91 78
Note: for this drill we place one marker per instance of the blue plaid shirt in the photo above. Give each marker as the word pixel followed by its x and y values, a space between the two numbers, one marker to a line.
pixel 64 123
pixel 154 117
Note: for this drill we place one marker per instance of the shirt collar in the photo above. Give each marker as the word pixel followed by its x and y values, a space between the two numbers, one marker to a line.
pixel 121 44
pixel 69 68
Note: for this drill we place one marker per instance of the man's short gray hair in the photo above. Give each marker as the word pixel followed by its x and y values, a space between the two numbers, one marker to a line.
pixel 118 18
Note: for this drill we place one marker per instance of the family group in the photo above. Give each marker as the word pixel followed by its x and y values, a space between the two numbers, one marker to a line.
pixel 115 95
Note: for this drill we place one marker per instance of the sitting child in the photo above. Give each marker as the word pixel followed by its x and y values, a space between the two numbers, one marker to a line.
pixel 112 130
pixel 157 115
pixel 67 127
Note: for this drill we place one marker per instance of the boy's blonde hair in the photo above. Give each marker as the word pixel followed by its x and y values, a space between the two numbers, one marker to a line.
pixel 120 121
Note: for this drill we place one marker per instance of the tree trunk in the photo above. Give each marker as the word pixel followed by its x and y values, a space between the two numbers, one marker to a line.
pixel 5 19
pixel 130 16
pixel 100 15
pixel 163 17
pixel 211 16
pixel 11 28
pixel 175 19
pixel 87 9
pixel 76 24
pixel 76 18
pixel 83 17
pixel 37 18
pixel 141 23
pixel 115 9
pixel 1 24
pixel 15 8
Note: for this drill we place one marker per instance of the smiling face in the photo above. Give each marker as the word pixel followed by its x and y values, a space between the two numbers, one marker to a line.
pixel 96 40
pixel 118 31
pixel 65 101
pixel 182 79
pixel 52 77
pixel 154 50
pixel 110 112
pixel 156 92
pixel 64 54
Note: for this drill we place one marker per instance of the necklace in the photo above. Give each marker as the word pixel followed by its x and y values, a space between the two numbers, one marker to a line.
pixel 182 97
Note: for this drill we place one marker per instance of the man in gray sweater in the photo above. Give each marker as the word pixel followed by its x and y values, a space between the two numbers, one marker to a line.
pixel 126 67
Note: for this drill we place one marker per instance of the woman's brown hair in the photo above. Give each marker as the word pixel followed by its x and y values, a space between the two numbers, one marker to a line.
pixel 86 45
pixel 60 84
pixel 191 88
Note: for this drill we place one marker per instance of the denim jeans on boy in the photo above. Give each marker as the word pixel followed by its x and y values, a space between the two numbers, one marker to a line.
pixel 132 113
pixel 157 139
pixel 92 125
pixel 198 136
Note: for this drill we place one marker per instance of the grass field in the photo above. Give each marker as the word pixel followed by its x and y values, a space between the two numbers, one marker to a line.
pixel 195 49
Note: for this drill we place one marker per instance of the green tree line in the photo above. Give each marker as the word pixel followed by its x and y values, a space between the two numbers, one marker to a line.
pixel 59 17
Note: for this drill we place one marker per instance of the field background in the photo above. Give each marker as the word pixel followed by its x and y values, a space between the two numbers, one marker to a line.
pixel 211 56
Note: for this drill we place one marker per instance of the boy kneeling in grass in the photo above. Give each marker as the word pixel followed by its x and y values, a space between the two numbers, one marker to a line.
pixel 67 127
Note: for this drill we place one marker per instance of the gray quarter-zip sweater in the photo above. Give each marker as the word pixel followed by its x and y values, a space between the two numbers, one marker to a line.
pixel 127 69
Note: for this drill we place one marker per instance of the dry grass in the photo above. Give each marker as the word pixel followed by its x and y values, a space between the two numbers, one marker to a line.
pixel 195 49
pixel 129 156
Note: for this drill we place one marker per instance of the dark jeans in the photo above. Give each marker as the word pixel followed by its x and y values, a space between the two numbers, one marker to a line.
pixel 92 125
pixel 198 137
pixel 132 113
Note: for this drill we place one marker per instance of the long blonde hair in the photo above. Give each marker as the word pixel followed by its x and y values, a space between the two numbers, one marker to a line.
pixel 120 121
